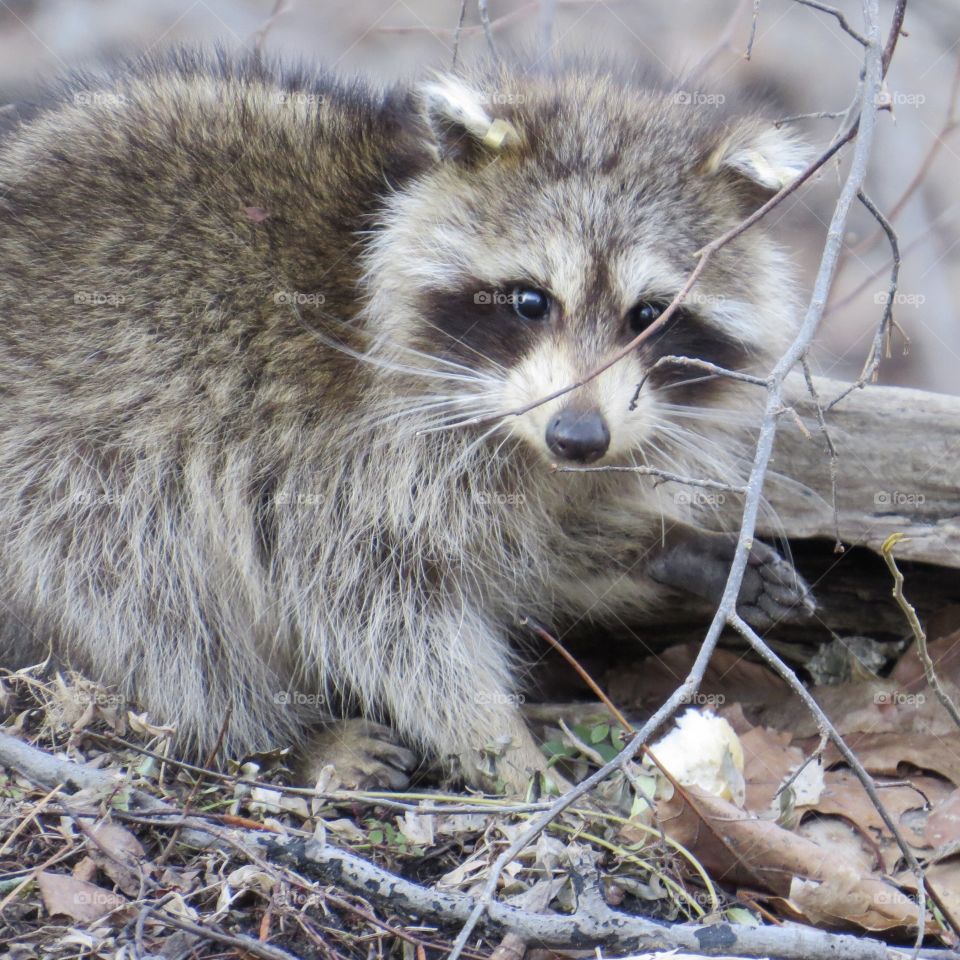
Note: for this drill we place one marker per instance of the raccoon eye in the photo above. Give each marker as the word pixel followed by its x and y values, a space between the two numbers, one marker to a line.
pixel 529 303
pixel 640 316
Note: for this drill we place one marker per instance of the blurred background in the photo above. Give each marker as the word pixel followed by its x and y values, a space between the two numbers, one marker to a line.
pixel 802 62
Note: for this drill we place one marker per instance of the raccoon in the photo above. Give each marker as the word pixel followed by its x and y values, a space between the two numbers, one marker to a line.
pixel 265 336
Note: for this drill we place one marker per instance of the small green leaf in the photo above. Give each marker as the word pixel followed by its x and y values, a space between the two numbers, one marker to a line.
pixel 600 733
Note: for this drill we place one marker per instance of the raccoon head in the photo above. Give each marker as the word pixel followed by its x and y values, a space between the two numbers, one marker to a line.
pixel 560 216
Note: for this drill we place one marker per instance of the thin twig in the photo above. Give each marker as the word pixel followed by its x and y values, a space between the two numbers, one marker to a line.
pixel 817 115
pixel 725 39
pixel 886 319
pixel 483 8
pixel 949 126
pixel 831 450
pixel 259 38
pixel 541 631
pixel 456 34
pixel 919 635
pixel 712 368
pixel 839 15
pixel 754 20
pixel 655 472
pixel 240 942
pixel 896 29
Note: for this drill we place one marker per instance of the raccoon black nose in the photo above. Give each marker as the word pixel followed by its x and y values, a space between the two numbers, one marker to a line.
pixel 578 435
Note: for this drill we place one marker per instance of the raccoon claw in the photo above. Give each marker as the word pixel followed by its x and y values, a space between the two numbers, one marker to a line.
pixel 364 755
pixel 772 591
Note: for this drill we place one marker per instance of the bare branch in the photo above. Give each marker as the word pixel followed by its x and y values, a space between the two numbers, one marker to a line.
pixel 655 472
pixel 483 7
pixel 754 20
pixel 725 39
pixel 457 33
pixel 840 17
pixel 919 635
pixel 896 30
pixel 718 371
pixel 831 450
pixel 259 38
pixel 886 319
pixel 818 115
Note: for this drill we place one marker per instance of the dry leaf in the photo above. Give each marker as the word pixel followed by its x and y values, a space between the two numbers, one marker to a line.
pixel 120 855
pixel 81 901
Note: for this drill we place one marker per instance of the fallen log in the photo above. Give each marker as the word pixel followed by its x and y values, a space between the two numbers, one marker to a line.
pixel 897 469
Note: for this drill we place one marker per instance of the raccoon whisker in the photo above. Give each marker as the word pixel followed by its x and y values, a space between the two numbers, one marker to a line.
pixel 697 446
pixel 479 353
pixel 446 360
pixel 409 409
pixel 414 424
pixel 706 413
pixel 385 364
pixel 717 464
pixel 478 418
pixel 686 383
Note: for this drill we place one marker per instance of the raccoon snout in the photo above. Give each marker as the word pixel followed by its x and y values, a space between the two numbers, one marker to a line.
pixel 578 435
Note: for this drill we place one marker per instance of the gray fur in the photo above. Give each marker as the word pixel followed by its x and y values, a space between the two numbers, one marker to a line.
pixel 230 465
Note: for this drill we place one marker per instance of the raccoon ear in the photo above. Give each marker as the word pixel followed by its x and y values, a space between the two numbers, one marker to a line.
pixel 763 154
pixel 461 128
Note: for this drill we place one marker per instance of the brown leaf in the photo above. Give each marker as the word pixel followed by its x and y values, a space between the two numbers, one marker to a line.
pixel 886 753
pixel 729 679
pixel 119 854
pixel 768 760
pixel 943 823
pixel 846 897
pixel 85 870
pixel 737 848
pixel 81 901
pixel 945 654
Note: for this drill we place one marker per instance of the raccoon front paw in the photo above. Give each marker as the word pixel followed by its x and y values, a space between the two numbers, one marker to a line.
pixel 772 591
pixel 364 756
pixel 699 562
